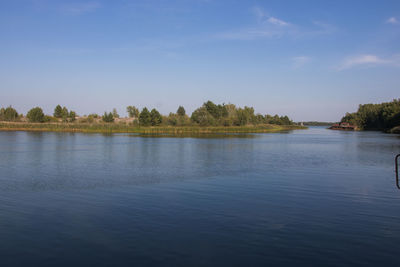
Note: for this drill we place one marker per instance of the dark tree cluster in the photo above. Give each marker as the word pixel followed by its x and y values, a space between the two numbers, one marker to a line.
pixel 36 115
pixel 108 117
pixel 133 112
pixel 177 119
pixel 211 114
pixel 150 118
pixel 382 116
pixel 8 114
pixel 64 114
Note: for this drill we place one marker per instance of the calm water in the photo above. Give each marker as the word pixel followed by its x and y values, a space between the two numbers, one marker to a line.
pixel 310 197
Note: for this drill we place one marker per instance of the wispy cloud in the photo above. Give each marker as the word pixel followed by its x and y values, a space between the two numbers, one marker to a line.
pixel 263 17
pixel 392 20
pixel 278 22
pixel 300 61
pixel 80 8
pixel 369 61
pixel 259 13
pixel 272 27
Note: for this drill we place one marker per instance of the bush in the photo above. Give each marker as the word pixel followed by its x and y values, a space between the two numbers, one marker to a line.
pixel 72 116
pixel 202 117
pixel 108 117
pixel 172 119
pixel 50 119
pixel 35 115
pixel 8 114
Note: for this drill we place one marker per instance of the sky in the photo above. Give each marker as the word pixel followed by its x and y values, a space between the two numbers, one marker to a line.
pixel 310 60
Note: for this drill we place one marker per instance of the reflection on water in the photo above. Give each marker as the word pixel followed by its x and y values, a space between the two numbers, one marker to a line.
pixel 194 135
pixel 309 197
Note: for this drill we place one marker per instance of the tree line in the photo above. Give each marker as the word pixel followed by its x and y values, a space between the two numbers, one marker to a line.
pixel 381 116
pixel 209 114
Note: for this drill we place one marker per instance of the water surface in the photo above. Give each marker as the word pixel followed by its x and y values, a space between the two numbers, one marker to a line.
pixel 308 197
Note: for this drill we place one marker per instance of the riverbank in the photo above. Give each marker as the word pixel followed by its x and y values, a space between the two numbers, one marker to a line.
pixel 395 130
pixel 124 128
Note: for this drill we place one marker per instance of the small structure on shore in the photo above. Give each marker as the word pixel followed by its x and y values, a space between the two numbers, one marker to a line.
pixel 343 126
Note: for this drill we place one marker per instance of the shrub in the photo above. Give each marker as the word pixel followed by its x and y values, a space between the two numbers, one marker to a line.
pixel 35 115
pixel 8 114
pixel 49 119
pixel 72 116
pixel 108 117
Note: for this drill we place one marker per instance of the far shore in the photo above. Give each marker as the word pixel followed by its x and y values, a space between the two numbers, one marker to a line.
pixel 126 128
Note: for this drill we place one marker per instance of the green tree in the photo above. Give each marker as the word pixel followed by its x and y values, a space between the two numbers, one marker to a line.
pixel 381 116
pixel 115 113
pixel 8 114
pixel 64 114
pixel 35 115
pixel 285 120
pixel 259 119
pixel 172 119
pixel 145 117
pixel 156 118
pixel 181 111
pixel 132 111
pixel 202 117
pixel 244 116
pixel 91 117
pixel 72 116
pixel 217 111
pixel 241 117
pixel 108 117
pixel 58 111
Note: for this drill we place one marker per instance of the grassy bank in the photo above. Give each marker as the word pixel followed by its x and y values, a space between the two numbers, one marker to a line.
pixel 124 128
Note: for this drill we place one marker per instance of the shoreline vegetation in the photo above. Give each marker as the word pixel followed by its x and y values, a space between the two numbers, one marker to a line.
pixel 317 123
pixel 209 118
pixel 124 128
pixel 376 117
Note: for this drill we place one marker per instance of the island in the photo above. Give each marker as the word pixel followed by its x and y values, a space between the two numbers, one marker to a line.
pixel 209 118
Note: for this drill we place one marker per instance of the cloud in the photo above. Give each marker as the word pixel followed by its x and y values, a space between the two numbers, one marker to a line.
pixel 259 13
pixel 276 21
pixel 369 61
pixel 80 8
pixel 392 20
pixel 263 17
pixel 272 27
pixel 300 61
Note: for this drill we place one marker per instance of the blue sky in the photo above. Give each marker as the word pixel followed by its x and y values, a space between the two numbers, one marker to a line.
pixel 310 60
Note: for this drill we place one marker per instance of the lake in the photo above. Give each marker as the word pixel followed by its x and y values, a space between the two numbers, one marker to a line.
pixel 308 197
